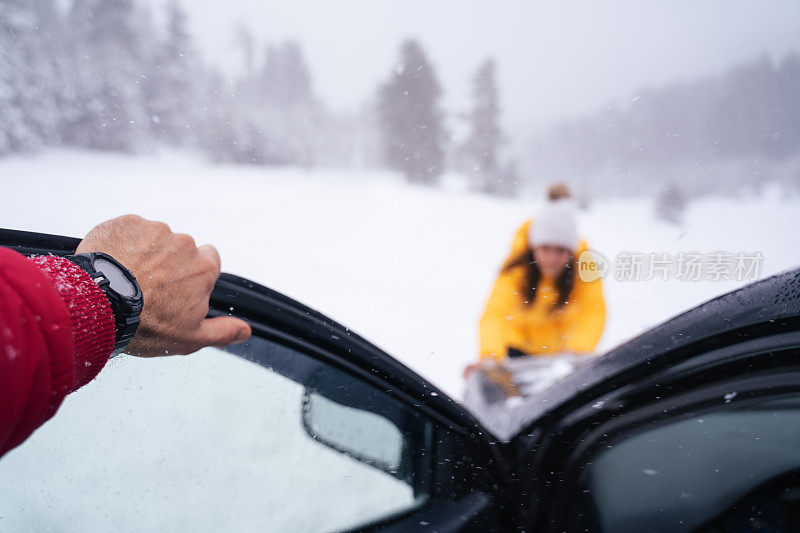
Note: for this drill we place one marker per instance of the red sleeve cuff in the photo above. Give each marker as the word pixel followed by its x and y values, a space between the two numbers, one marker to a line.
pixel 90 313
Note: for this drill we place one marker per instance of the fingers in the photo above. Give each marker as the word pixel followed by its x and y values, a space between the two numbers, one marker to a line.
pixel 222 331
pixel 468 370
pixel 210 253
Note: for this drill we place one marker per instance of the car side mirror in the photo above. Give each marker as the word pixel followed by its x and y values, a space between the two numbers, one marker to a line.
pixel 368 425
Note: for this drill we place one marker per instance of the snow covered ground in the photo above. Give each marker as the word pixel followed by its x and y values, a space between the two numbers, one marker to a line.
pixel 407 267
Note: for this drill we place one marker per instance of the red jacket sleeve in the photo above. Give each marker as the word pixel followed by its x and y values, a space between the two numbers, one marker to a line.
pixel 56 332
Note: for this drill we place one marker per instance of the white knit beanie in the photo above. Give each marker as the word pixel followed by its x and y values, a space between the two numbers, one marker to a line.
pixel 555 225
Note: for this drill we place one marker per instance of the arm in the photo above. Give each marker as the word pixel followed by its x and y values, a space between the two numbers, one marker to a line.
pixel 496 333
pixel 56 332
pixel 494 329
pixel 57 328
pixel 585 330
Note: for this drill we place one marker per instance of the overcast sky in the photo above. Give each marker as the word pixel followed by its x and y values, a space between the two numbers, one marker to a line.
pixel 556 59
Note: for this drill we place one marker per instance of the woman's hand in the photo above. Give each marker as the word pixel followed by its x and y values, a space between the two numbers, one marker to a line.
pixel 470 369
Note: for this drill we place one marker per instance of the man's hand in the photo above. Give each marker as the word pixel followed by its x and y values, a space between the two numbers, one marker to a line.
pixel 176 278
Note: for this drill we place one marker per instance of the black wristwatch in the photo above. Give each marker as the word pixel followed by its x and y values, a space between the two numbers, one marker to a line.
pixel 122 291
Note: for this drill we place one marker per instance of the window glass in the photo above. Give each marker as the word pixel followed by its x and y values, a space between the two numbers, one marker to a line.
pixel 733 469
pixel 213 442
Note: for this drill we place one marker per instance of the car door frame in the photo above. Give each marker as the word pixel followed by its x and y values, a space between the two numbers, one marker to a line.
pixel 470 465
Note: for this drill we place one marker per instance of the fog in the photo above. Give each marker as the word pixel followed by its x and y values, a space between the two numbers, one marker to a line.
pixel 613 98
pixel 556 59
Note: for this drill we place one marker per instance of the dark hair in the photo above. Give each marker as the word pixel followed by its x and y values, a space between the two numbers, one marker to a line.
pixel 564 283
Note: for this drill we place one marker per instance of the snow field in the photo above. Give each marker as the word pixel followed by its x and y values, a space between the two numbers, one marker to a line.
pixel 407 267
pixel 204 442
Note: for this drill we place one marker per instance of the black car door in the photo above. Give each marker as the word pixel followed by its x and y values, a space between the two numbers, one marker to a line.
pixel 692 426
pixel 305 427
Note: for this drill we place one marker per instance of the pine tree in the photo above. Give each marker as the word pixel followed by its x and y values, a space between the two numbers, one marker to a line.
pixel 287 107
pixel 671 204
pixel 28 110
pixel 108 108
pixel 296 76
pixel 246 41
pixel 99 75
pixel 286 78
pixel 217 137
pixel 303 120
pixel 411 119
pixel 508 179
pixel 483 145
pixel 171 86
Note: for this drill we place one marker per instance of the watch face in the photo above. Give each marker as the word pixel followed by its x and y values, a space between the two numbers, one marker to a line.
pixel 116 278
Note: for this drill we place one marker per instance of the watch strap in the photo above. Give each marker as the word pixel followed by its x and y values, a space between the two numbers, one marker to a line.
pixel 127 310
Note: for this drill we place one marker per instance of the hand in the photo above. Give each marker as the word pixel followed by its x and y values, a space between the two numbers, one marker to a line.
pixel 470 369
pixel 176 278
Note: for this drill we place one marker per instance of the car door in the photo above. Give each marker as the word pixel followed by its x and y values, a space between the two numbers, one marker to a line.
pixel 305 427
pixel 693 426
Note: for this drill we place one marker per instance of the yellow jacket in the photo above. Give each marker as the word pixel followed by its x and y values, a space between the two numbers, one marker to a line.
pixel 537 329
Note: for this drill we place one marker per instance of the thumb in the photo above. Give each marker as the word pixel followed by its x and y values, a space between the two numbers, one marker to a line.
pixel 222 331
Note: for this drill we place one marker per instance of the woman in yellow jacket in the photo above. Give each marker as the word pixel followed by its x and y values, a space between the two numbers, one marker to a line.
pixel 539 305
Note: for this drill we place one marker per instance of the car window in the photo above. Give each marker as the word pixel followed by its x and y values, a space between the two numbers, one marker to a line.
pixel 213 442
pixel 733 469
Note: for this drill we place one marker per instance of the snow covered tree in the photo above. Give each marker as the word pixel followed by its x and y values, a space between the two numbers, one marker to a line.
pixel 290 113
pixel 232 130
pixel 217 137
pixel 245 39
pixel 285 76
pixel 99 74
pixel 482 147
pixel 232 116
pixel 671 204
pixel 507 182
pixel 171 86
pixel 269 116
pixel 108 108
pixel 28 85
pixel 411 118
